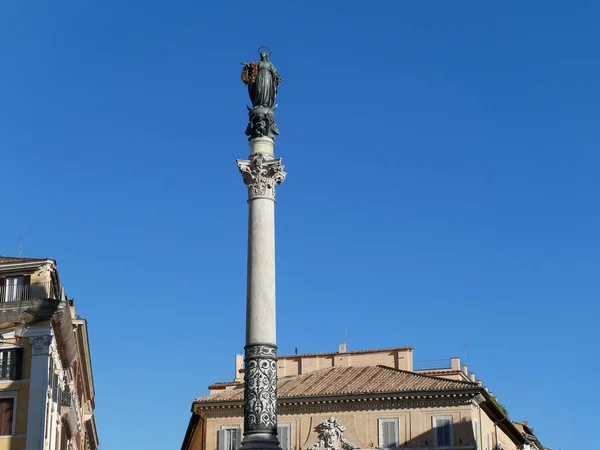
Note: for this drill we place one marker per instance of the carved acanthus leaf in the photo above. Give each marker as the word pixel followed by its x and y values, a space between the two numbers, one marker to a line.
pixel 261 173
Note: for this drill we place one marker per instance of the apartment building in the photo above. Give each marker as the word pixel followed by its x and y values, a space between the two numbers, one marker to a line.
pixel 362 400
pixel 46 381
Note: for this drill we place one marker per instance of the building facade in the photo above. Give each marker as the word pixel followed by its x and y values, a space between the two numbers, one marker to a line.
pixel 364 399
pixel 46 383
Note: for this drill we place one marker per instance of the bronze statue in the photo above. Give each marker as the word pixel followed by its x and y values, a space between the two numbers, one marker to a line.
pixel 263 81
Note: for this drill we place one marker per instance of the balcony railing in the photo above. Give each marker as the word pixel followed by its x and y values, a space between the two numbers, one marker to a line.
pixel 66 400
pixel 23 292
pixel 69 411
pixel 432 364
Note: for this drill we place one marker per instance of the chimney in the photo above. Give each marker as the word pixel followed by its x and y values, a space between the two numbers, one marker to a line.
pixel 526 423
pixel 472 377
pixel 239 364
pixel 455 363
pixel 342 348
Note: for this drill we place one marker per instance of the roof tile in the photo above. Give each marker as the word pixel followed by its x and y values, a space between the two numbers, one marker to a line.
pixel 348 381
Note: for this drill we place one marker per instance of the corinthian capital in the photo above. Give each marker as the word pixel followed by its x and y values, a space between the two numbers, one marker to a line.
pixel 261 172
pixel 40 345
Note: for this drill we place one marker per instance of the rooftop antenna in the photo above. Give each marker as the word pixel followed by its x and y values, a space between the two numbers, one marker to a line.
pixel 20 245
pixel 346 335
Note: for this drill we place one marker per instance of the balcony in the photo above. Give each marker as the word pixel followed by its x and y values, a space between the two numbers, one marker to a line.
pixel 27 302
pixel 23 292
pixel 69 412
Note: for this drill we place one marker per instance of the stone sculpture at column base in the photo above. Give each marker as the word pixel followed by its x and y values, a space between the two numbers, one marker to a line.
pixel 260 394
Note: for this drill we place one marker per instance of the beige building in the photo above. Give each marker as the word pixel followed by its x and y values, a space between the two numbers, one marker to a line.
pixel 46 383
pixel 362 399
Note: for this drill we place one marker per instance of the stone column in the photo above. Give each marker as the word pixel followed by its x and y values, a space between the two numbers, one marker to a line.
pixel 38 391
pixel 261 172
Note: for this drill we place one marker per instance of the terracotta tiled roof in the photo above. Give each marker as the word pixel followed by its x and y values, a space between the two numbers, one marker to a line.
pixel 18 259
pixel 348 381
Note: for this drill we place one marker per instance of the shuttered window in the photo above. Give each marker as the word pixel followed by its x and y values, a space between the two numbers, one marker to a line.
pixel 11 363
pixel 64 440
pixel 6 416
pixel 230 439
pixel 55 387
pixel 442 429
pixel 388 433
pixel 284 434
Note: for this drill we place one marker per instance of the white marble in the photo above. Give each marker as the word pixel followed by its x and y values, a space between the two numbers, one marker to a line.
pixel 262 145
pixel 260 295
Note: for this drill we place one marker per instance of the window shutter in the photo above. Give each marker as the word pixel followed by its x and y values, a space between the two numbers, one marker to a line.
pixel 386 434
pixel 389 433
pixel 54 387
pixel 442 430
pixel 4 373
pixel 393 434
pixel 6 407
pixel 222 438
pixel 284 438
pixel 64 443
pixel 50 370
pixel 238 438
pixel 18 363
pixel 439 432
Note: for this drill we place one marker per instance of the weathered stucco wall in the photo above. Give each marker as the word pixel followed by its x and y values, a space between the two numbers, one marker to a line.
pixel 362 427
pixel 496 435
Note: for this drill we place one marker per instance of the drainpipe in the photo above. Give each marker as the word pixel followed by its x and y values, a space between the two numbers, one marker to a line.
pixel 496 429
pixel 480 430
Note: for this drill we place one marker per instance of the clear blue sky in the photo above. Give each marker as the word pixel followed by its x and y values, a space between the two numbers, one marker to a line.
pixel 442 189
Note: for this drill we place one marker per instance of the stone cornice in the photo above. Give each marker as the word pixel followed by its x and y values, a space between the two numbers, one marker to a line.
pixel 356 402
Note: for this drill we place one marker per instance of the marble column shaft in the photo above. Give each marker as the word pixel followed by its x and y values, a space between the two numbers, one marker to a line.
pixel 261 172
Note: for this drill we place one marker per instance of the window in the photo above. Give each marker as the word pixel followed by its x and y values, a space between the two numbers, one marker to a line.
pixel 442 430
pixel 388 433
pixel 12 289
pixel 230 438
pixel 11 363
pixel 6 416
pixel 284 434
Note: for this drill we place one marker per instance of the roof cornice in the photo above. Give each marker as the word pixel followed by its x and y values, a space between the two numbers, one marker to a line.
pixel 464 395
pixel 84 352
pixel 500 419
pixel 6 267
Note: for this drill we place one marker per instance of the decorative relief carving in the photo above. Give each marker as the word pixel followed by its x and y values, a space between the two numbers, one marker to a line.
pixel 40 344
pixel 260 388
pixel 261 173
pixel 331 436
